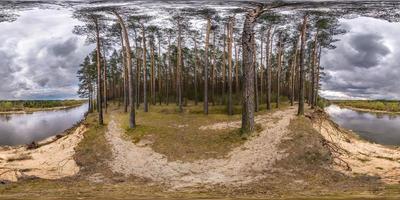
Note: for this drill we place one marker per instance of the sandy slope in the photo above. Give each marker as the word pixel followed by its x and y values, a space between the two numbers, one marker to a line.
pixel 244 164
pixel 51 161
pixel 362 156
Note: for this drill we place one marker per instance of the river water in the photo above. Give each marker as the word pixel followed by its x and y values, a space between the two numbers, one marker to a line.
pixel 18 129
pixel 375 127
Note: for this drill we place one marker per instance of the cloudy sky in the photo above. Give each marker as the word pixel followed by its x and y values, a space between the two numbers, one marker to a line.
pixel 39 57
pixel 365 63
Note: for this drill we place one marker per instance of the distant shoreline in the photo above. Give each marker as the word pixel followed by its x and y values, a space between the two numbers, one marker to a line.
pixel 32 110
pixel 367 110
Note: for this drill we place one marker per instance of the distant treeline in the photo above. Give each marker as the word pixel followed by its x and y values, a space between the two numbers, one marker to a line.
pixel 23 105
pixel 382 105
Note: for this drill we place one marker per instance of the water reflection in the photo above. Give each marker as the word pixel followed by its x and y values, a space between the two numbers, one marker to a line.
pixel 376 127
pixel 24 128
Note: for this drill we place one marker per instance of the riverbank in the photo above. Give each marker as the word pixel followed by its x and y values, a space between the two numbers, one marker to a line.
pixel 354 155
pixel 26 107
pixel 51 159
pixel 285 159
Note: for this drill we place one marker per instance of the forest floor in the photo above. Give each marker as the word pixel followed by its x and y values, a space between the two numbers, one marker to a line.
pixel 191 156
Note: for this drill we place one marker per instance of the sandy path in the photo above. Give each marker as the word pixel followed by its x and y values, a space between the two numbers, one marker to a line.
pixel 363 157
pixel 52 161
pixel 244 164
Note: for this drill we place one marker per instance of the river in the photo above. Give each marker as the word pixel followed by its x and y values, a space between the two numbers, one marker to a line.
pixel 379 128
pixel 16 129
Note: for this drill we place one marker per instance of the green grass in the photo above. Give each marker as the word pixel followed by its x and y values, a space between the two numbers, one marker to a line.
pixel 380 105
pixel 178 135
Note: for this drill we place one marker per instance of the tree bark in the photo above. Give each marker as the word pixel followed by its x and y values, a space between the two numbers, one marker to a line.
pixel 168 68
pixel 248 123
pixel 255 76
pixel 206 66
pixel 104 78
pixel 302 75
pixel 223 71
pixel 230 30
pixel 179 68
pixel 237 90
pixel 144 66
pixel 159 72
pixel 318 71
pixel 269 70
pixel 99 92
pixel 261 67
pixel 213 69
pixel 279 70
pixel 196 61
pixel 132 117
pixel 314 63
pixel 125 74
pixel 152 78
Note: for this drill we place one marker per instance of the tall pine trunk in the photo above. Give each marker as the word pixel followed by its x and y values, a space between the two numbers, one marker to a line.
pixel 230 30
pixel 213 69
pixel 152 78
pixel 179 68
pixel 256 106
pixel 237 86
pixel 314 63
pixel 279 70
pixel 268 66
pixel 144 66
pixel 159 72
pixel 99 92
pixel 248 41
pixel 269 72
pixel 206 63
pixel 302 71
pixel 196 62
pixel 128 52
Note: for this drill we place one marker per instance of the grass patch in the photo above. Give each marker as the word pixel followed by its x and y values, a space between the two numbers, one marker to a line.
pixel 178 135
pixel 93 150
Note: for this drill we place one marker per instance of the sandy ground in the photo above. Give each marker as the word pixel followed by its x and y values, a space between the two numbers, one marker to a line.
pixel 51 161
pixel 363 157
pixel 249 162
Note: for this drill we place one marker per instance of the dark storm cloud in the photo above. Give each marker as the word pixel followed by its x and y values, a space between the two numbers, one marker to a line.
pixel 368 50
pixel 64 48
pixel 365 62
